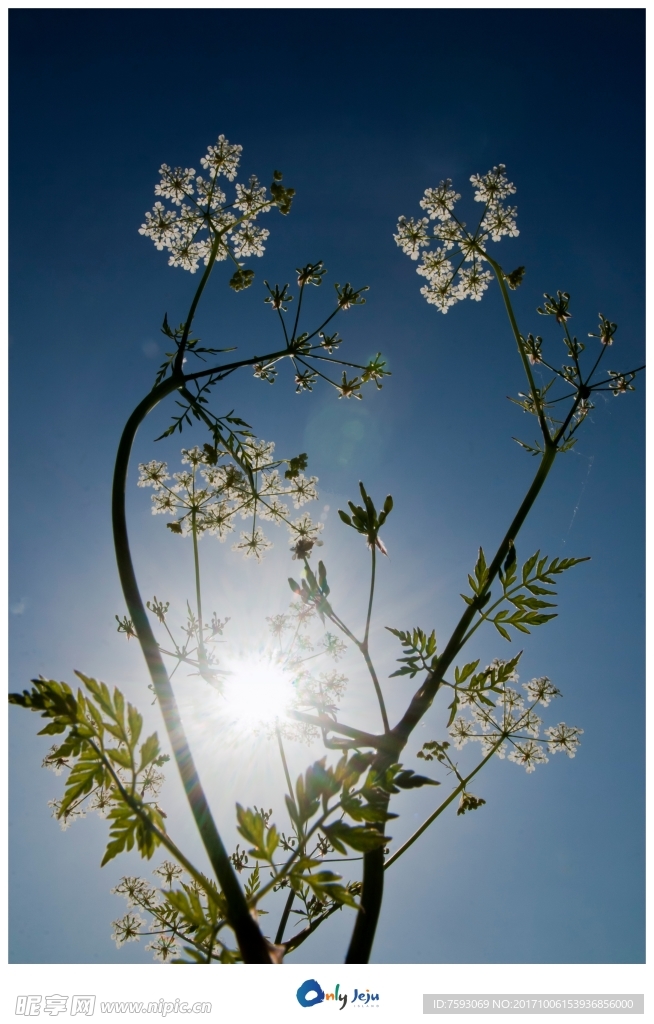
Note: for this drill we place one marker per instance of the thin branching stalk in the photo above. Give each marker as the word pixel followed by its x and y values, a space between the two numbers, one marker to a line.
pixel 250 939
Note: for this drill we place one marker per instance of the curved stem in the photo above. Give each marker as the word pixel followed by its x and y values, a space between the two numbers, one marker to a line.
pixel 363 646
pixel 251 942
pixel 424 697
pixel 163 837
pixel 373 869
pixel 378 689
pixel 499 274
pixel 179 359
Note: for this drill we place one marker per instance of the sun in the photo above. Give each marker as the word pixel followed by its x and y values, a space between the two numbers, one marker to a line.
pixel 257 691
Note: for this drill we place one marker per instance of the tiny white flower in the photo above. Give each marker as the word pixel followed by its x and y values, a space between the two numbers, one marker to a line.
pixel 222 158
pixel 248 240
pixel 541 690
pixel 210 195
pixel 563 738
pixel 472 283
pixel 304 490
pixel 169 872
pixel 461 731
pixel 435 266
pixel 529 754
pixel 273 509
pixel 499 221
pixel 304 527
pixel 259 452
pixel 217 520
pixel 164 947
pixel 135 890
pixel 175 185
pixel 127 929
pixel 253 545
pixel 185 254
pixel 412 235
pixel 252 199
pixel 440 295
pixel 193 457
pixel 511 699
pixel 439 202
pixel 160 225
pixel 492 186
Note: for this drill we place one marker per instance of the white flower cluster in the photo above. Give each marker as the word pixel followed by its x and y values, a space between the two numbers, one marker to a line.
pixel 512 727
pixel 207 498
pixel 449 279
pixel 313 692
pixel 204 221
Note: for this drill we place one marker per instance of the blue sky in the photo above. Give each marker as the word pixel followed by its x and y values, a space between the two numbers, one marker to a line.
pixel 361 110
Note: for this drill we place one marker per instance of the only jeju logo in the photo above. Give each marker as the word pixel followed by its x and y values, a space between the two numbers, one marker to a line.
pixel 311 994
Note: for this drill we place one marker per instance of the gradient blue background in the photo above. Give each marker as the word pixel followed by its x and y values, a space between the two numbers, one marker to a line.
pixel 362 111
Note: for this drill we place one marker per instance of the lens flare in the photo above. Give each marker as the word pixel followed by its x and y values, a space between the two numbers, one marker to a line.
pixel 257 692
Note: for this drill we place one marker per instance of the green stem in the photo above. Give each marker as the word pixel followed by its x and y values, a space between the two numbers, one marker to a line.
pixel 302 936
pixel 372 594
pixel 499 274
pixel 198 593
pixel 251 942
pixel 424 697
pixel 376 684
pixel 373 865
pixel 179 359
pixel 163 837
pixel 364 646
pixel 284 918
pixel 446 803
pixel 286 771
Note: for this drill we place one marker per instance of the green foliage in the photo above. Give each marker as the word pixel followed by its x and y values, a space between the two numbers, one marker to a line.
pixel 526 596
pixel 312 273
pixel 296 466
pixel 468 802
pixel 191 347
pixel 126 626
pixel 523 596
pixel 253 827
pixel 557 307
pixel 375 370
pixel 241 279
pixel 348 296
pixel 313 592
pixel 365 519
pixel 419 650
pixel 283 196
pixel 345 806
pixel 515 278
pixel 105 762
pixel 479 686
pixel 434 751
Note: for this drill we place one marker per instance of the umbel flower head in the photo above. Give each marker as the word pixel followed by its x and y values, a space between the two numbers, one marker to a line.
pixel 200 221
pixel 454 269
pixel 508 724
pixel 208 496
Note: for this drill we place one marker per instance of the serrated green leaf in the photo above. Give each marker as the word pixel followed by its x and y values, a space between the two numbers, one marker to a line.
pixel 408 779
pixel 528 566
pixel 149 751
pixel 358 837
pixel 119 756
